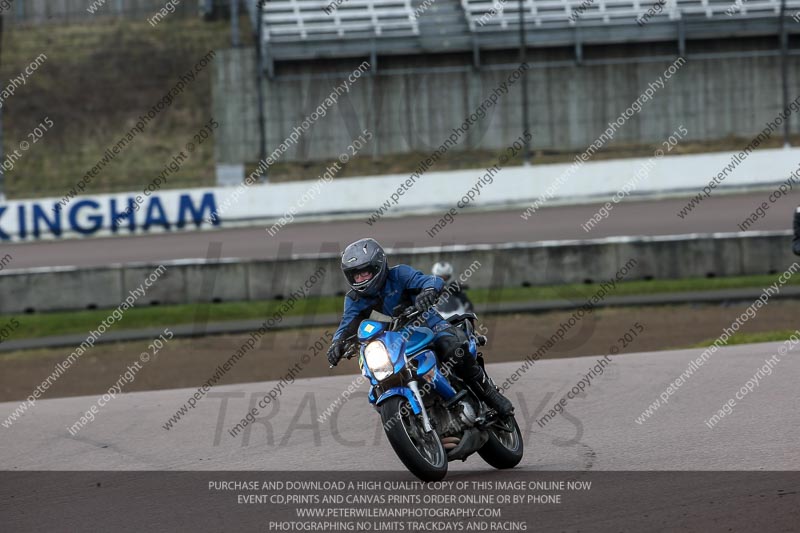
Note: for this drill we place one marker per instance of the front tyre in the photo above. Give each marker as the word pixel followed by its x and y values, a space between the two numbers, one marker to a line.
pixel 504 448
pixel 422 453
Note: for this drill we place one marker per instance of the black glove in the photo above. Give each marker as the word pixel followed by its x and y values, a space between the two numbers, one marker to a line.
pixel 335 352
pixel 426 299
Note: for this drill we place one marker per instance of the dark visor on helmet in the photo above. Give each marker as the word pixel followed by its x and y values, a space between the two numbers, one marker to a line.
pixel 352 273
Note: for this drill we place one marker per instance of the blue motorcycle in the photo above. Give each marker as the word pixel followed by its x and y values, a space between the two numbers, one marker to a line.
pixel 429 415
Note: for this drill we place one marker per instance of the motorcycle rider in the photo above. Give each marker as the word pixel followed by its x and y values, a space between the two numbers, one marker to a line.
pixel 444 270
pixel 375 286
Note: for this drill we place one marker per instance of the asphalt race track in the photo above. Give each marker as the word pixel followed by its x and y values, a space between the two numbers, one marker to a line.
pixel 719 213
pixel 595 441
pixel 597 432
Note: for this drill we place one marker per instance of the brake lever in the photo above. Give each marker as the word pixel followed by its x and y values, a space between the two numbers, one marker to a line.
pixel 410 313
pixel 349 354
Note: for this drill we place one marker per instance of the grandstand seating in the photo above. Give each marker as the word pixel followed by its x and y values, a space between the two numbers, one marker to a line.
pixel 292 19
pixel 298 29
pixel 491 15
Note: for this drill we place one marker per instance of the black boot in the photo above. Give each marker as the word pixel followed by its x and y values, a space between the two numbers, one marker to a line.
pixel 488 392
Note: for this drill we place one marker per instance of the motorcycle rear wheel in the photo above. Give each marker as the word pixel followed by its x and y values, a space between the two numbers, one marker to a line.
pixel 504 449
pixel 422 453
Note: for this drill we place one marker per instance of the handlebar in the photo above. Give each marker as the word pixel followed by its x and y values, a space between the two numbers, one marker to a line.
pixel 352 351
pixel 411 311
pixel 405 316
pixel 408 314
pixel 352 348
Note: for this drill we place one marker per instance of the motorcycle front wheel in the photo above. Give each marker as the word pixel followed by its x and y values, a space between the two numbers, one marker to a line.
pixel 421 452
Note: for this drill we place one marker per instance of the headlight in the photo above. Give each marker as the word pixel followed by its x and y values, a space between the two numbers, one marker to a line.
pixel 378 361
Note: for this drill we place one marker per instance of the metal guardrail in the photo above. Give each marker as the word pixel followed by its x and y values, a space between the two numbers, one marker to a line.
pixel 37 290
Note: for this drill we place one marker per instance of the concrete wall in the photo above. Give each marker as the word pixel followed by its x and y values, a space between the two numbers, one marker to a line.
pixel 570 105
pixel 509 265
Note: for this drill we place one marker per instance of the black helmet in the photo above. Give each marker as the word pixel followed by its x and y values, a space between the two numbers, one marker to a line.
pixel 365 255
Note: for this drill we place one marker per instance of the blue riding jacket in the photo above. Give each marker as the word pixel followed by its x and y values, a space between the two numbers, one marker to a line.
pixel 403 284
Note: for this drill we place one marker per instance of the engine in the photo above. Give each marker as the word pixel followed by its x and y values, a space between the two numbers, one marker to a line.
pixel 452 422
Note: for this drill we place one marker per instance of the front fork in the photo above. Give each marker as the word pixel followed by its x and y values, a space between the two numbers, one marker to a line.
pixel 426 422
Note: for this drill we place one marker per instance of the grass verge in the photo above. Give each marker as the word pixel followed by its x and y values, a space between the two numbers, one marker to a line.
pixel 61 323
pixel 626 288
pixel 750 338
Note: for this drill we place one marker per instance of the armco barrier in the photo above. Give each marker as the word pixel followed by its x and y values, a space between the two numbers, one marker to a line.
pixel 507 265
pixel 265 205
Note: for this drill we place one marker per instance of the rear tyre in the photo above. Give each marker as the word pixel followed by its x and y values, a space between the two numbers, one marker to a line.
pixel 504 448
pixel 422 453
